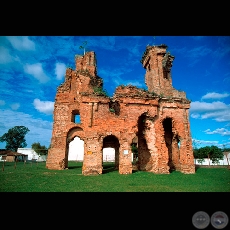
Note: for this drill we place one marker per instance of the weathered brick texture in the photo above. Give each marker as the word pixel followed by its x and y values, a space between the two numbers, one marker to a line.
pixel 158 118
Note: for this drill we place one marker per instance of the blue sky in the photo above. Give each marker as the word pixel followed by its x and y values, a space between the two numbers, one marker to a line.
pixel 32 67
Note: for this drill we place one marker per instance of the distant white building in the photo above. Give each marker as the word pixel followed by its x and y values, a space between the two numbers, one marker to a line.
pixel 225 161
pixel 108 154
pixel 31 154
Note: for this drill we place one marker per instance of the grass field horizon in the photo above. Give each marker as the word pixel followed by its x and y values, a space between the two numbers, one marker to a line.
pixel 35 177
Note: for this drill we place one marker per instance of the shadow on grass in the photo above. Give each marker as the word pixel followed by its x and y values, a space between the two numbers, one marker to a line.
pixel 108 167
pixel 108 170
pixel 74 167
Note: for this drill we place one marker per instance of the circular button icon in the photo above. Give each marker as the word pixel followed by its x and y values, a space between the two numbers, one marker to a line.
pixel 219 220
pixel 201 220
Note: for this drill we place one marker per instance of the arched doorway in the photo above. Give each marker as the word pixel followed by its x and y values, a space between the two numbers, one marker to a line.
pixel 168 136
pixel 74 145
pixel 144 155
pixel 134 148
pixel 111 147
pixel 76 150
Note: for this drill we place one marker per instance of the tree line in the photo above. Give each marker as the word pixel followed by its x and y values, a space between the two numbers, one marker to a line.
pixel 212 153
pixel 15 138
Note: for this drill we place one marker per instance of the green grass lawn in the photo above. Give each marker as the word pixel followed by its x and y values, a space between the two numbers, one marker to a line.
pixel 34 177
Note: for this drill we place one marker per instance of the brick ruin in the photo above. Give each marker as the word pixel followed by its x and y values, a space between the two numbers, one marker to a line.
pixel 158 118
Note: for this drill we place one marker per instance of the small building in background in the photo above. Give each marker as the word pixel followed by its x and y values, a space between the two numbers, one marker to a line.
pixel 11 156
pixel 108 154
pixel 225 161
pixel 31 154
pixel 76 150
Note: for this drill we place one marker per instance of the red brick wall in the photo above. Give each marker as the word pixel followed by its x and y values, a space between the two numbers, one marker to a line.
pixel 138 113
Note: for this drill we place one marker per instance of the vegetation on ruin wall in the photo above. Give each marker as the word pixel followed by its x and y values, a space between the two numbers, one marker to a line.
pixel 34 177
pixel 100 91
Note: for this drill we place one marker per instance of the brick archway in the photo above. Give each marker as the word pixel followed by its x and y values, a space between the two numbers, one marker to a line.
pixel 168 137
pixel 143 151
pixel 76 149
pixel 72 133
pixel 113 142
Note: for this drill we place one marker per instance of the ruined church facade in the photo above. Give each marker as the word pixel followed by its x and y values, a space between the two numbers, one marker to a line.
pixel 158 118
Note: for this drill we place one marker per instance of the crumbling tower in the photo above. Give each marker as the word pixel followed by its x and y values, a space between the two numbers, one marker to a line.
pixel 173 109
pixel 72 109
pixel 87 62
pixel 158 63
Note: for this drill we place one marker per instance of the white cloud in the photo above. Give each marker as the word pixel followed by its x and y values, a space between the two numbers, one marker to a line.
pixel 60 70
pixel 219 116
pixel 217 110
pixel 37 72
pixel 21 43
pixel 198 106
pixel 15 106
pixel 195 115
pixel 46 107
pixel 215 96
pixel 204 143
pixel 221 131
